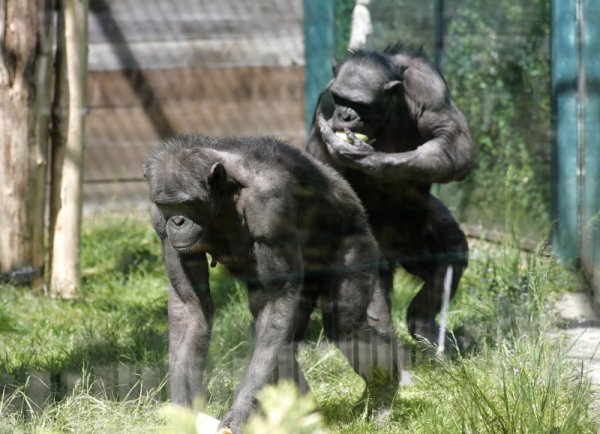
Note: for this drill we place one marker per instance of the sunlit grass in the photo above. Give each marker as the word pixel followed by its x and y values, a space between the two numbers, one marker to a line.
pixel 88 408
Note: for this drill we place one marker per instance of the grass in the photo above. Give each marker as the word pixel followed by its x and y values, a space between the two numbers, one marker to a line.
pixel 118 316
pixel 89 408
pixel 510 378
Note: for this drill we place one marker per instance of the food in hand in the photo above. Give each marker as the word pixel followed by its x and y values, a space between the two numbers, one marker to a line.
pixel 342 135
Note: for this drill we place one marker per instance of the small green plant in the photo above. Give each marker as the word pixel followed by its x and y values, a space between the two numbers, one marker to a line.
pixel 284 411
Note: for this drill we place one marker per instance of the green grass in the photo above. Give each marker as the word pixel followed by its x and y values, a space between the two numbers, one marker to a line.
pixel 119 314
pixel 89 408
pixel 510 378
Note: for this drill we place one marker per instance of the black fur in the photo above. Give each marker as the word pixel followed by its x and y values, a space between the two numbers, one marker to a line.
pixel 417 136
pixel 284 223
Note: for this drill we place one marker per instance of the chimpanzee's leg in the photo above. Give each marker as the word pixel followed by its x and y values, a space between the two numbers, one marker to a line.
pixel 373 353
pixel 275 305
pixel 379 312
pixel 287 364
pixel 190 317
pixel 444 245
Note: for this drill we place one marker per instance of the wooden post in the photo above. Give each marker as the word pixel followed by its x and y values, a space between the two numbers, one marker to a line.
pixel 44 97
pixel 24 56
pixel 68 145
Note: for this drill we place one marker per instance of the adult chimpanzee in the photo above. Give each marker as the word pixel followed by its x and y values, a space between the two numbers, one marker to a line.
pixel 287 225
pixel 414 135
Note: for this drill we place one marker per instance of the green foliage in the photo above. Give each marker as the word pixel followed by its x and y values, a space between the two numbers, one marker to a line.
pixel 342 11
pixel 284 411
pixel 179 420
pixel 501 82
pixel 496 62
pixel 401 20
pixel 281 410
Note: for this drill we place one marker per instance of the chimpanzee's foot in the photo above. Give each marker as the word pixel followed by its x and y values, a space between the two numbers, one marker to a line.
pixel 379 394
pixel 428 346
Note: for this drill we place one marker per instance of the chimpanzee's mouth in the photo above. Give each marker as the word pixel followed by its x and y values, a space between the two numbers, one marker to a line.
pixel 184 245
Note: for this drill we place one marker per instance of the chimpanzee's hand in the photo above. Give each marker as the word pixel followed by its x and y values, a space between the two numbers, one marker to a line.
pixel 354 154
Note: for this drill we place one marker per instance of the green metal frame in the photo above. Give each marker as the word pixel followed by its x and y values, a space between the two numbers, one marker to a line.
pixel 566 116
pixel 590 241
pixel 576 116
pixel 318 52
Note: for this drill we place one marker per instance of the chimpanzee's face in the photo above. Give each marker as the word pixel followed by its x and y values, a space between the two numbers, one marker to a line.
pixel 362 97
pixel 185 224
pixel 183 205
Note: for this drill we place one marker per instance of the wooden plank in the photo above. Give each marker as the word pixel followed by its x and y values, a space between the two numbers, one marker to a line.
pixel 209 8
pixel 106 27
pixel 119 161
pixel 118 140
pixel 245 117
pixel 147 88
pixel 285 50
pixel 115 195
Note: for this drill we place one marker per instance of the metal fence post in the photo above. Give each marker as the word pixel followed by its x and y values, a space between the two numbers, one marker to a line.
pixel 566 116
pixel 590 241
pixel 318 52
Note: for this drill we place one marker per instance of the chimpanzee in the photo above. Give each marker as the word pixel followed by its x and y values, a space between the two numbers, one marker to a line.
pixel 387 122
pixel 287 225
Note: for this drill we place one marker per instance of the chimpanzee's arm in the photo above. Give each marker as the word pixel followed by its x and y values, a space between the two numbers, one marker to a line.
pixel 190 319
pixel 275 305
pixel 446 156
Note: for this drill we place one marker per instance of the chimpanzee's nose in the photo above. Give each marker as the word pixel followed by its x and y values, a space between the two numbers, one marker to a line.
pixel 346 115
pixel 178 220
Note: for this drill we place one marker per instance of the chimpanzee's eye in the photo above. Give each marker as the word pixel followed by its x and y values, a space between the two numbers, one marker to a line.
pixel 339 101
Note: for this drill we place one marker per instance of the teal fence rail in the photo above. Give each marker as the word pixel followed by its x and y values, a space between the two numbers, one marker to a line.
pixel 576 115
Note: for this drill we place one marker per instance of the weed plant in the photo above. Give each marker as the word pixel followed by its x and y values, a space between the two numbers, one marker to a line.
pixel 508 378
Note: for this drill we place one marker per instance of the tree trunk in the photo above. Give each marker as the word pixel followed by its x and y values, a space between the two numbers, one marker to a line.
pixel 24 53
pixel 68 145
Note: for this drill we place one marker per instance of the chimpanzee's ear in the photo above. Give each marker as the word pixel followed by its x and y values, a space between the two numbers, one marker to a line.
pixel 394 85
pixel 218 176
pixel 335 66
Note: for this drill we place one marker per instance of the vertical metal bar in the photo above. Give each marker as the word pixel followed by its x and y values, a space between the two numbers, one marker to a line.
pixel 438 32
pixel 318 52
pixel 580 119
pixel 590 241
pixel 564 48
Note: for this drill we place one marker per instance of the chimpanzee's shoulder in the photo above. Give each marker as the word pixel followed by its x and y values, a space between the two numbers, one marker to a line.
pixel 423 82
pixel 406 56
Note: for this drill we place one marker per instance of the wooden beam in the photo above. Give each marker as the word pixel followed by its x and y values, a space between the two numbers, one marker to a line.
pixel 67 182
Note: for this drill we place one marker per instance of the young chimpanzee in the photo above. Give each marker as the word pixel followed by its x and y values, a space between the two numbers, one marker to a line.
pixel 287 225
pixel 388 123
